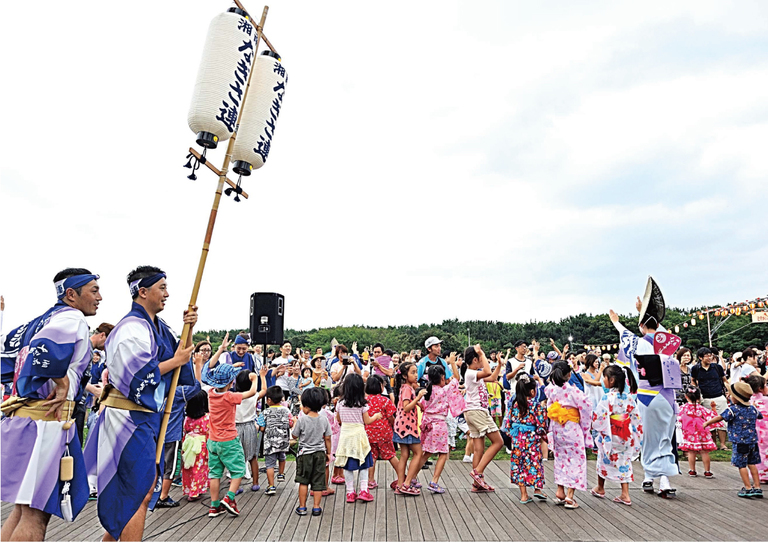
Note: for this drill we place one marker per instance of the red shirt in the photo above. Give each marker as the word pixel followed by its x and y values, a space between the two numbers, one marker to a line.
pixel 380 431
pixel 221 407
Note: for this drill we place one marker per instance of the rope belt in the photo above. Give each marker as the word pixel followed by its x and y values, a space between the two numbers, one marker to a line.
pixel 33 409
pixel 112 397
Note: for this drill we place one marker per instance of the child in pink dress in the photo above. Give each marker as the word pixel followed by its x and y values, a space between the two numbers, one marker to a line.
pixel 194 472
pixel 760 401
pixel 696 439
pixel 570 413
pixel 441 398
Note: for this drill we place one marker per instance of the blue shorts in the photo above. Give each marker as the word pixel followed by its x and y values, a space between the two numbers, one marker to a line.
pixel 745 454
pixel 409 439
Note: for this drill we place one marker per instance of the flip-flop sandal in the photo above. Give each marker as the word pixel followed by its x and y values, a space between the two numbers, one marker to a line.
pixel 540 496
pixel 619 500
pixel 317 511
pixel 570 504
pixel 529 499
pixel 559 501
pixel 596 494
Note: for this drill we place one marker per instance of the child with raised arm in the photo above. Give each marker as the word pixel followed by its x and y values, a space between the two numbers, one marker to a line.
pixel 224 449
pixel 314 434
pixel 475 371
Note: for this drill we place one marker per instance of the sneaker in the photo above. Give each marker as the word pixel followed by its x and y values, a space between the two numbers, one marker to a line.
pixel 176 482
pixel 467 459
pixel 166 503
pixel 351 497
pixel 745 493
pixel 756 493
pixel 281 477
pixel 230 506
pixel 692 473
pixel 93 496
pixel 428 463
pixel 271 490
pixel 365 496
pixel 708 474
pixel 214 512
pixel 301 510
pixel 509 452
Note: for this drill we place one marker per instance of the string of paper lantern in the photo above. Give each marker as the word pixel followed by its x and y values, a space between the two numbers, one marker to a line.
pixel 603 347
pixel 736 309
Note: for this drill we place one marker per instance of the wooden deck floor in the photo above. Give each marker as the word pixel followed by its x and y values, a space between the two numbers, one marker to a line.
pixel 704 510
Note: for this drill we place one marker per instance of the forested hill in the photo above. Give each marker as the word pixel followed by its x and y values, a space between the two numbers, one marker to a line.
pixel 734 334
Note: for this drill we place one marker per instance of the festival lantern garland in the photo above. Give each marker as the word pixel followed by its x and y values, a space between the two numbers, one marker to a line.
pixel 734 309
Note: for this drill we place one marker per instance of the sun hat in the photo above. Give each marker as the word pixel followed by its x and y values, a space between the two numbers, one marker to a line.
pixel 221 376
pixel 741 392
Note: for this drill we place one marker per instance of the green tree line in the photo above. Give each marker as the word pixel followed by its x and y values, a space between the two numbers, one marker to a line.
pixel 734 334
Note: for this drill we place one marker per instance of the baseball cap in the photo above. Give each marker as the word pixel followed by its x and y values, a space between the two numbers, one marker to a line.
pixel 552 355
pixel 520 343
pixel 432 341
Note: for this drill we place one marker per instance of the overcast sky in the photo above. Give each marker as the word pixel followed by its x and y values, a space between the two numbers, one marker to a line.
pixel 474 160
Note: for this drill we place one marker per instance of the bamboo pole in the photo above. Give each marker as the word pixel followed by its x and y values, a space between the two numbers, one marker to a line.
pixel 185 334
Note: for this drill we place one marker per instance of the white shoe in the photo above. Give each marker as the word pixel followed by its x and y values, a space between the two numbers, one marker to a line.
pixel 468 458
pixel 509 451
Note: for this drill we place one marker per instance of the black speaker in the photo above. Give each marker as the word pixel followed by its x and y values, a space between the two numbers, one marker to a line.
pixel 267 315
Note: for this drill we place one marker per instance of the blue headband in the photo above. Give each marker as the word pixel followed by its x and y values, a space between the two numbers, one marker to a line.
pixel 73 282
pixel 241 340
pixel 144 283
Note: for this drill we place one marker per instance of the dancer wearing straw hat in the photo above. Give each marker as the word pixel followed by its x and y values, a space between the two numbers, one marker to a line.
pixel 142 353
pixel 43 471
pixel 657 372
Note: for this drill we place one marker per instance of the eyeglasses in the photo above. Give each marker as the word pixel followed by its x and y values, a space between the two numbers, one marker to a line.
pixel 205 350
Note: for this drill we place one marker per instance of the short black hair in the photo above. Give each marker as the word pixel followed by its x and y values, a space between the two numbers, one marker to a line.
pixel 71 272
pixel 143 272
pixel 197 406
pixel 313 399
pixel 521 342
pixel 703 351
pixel 378 345
pixel 275 394
pixel 389 352
pixel 373 385
pixel 284 343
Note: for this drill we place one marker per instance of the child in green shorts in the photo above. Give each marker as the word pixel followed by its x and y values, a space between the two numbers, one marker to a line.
pixel 314 434
pixel 224 448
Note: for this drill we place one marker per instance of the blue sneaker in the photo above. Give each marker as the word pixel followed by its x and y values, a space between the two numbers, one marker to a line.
pixel 756 493
pixel 745 493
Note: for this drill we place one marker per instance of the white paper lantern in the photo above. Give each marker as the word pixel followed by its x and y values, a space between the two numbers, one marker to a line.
pixel 222 77
pixel 262 107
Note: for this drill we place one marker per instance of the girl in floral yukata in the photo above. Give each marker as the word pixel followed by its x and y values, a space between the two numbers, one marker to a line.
pixel 526 425
pixel 616 422
pixel 760 401
pixel 442 397
pixel 570 414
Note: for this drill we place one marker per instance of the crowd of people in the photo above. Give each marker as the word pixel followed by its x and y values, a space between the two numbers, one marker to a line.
pixel 341 412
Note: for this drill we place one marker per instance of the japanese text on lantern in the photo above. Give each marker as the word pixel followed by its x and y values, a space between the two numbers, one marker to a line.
pixel 263 145
pixel 228 113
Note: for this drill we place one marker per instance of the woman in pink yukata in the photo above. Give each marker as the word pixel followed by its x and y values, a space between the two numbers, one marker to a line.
pixel 570 413
pixel 442 397
pixel 759 400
